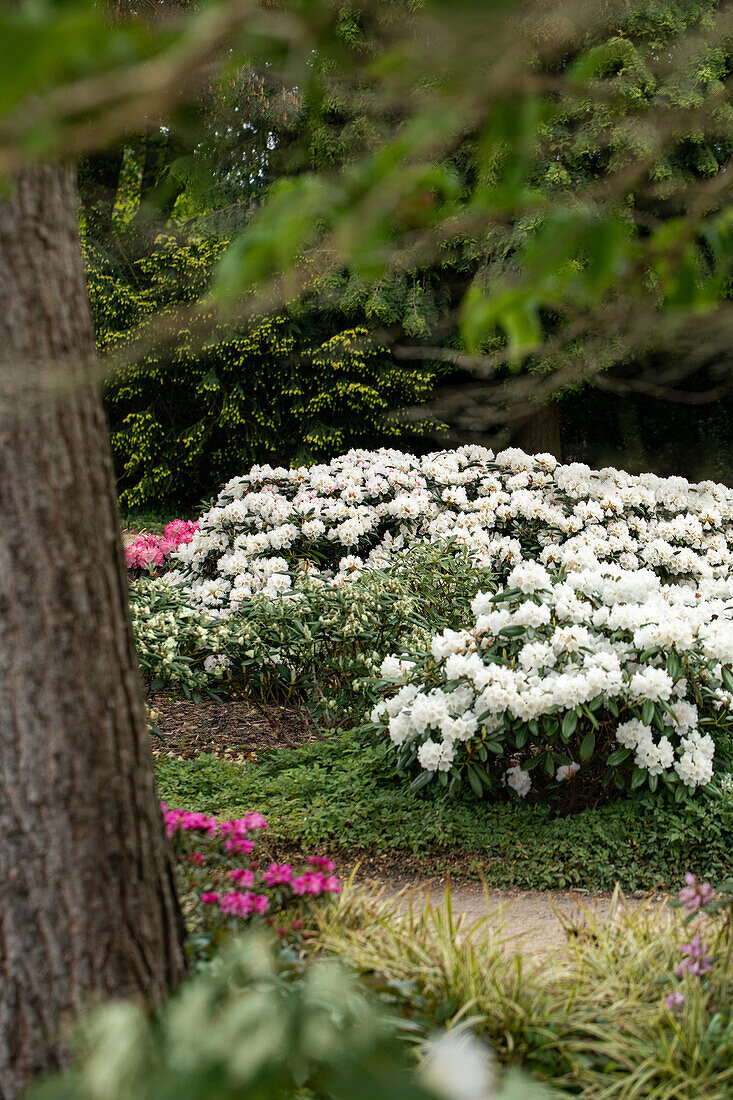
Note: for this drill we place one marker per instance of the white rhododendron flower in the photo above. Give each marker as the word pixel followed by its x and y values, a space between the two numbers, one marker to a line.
pixel 519 781
pixel 611 620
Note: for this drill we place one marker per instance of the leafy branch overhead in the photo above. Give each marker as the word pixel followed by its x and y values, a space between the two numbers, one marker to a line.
pixel 565 169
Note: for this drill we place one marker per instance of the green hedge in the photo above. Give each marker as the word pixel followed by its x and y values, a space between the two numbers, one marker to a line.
pixel 294 388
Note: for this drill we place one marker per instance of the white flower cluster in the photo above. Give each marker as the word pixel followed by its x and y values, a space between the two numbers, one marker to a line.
pixel 547 645
pixel 336 519
pixel 606 573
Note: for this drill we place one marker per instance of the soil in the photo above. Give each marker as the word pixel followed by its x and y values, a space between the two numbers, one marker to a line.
pixel 233 729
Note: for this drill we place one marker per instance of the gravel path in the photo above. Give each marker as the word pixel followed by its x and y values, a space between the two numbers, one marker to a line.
pixel 534 922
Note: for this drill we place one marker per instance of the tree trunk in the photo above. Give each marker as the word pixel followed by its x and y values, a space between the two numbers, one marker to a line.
pixel 540 432
pixel 88 904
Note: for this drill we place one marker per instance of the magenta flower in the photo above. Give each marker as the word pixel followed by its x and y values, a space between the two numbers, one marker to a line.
pixel 239 844
pixel 674 1000
pixel 697 961
pixel 241 905
pixel 695 894
pixel 209 898
pixel 237 904
pixel 308 883
pixel 184 819
pixel 278 874
pixel 241 825
pixel 321 863
pixel 243 876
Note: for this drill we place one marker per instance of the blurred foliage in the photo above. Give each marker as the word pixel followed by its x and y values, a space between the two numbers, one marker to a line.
pixel 254 1027
pixel 537 195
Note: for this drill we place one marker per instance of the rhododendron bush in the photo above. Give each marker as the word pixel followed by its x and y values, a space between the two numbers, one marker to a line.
pixel 604 653
pixel 564 672
pixel 322 649
pixel 148 553
pixel 219 869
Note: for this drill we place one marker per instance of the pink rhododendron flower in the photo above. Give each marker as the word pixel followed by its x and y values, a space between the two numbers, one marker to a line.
pixel 278 874
pixel 674 1000
pixel 321 863
pixel 241 905
pixel 308 883
pixel 242 825
pixel 695 894
pixel 209 898
pixel 243 876
pixel 151 551
pixel 184 819
pixel 239 844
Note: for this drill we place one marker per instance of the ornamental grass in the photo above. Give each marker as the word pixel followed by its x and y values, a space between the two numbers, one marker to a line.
pixel 621 1011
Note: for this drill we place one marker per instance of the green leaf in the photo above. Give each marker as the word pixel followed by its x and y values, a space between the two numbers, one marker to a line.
pixel 569 723
pixel 474 778
pixel 505 594
pixel 647 712
pixel 590 716
pixel 727 676
pixel 674 665
pixel 588 745
pixel 421 781
pixel 495 747
pixel 618 757
pixel 638 777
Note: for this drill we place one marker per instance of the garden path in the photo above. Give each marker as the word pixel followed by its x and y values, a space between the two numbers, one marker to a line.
pixel 533 922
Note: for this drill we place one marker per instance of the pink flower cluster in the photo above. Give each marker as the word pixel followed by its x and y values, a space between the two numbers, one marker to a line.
pixel 151 551
pixel 697 959
pixel 695 894
pixel 311 883
pixel 179 820
pixel 243 905
pixel 222 840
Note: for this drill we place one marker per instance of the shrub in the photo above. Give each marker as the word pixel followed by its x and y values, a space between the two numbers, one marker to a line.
pixel 339 797
pixel 321 649
pixel 218 871
pixel 148 553
pixel 608 653
pixel 303 385
pixel 601 671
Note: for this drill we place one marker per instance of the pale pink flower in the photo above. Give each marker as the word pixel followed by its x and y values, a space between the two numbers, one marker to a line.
pixel 695 894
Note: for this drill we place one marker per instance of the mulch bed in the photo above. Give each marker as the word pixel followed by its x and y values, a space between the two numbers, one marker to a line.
pixel 232 729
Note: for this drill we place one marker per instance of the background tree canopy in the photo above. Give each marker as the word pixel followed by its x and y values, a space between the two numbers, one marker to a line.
pixel 326 224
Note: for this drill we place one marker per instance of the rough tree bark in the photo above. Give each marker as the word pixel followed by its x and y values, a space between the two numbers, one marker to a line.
pixel 88 909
